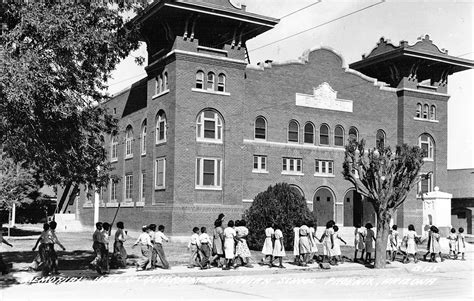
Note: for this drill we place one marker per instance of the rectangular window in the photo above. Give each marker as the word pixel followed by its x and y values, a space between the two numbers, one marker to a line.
pixel 208 173
pixel 114 156
pixel 323 167
pixel 210 129
pixel 259 163
pixel 142 187
pixel 161 133
pixel 292 165
pixel 425 185
pixel 160 169
pixel 113 191
pixel 128 147
pixel 128 188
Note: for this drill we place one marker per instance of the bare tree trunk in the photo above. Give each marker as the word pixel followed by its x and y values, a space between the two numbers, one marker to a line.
pixel 383 228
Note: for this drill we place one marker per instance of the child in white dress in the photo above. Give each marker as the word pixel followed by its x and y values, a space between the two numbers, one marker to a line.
pixel 392 243
pixel 461 242
pixel 410 240
pixel 278 247
pixel 229 245
pixel 296 243
pixel 359 239
pixel 267 249
pixel 337 245
pixel 369 243
pixel 328 243
pixel 453 239
pixel 312 241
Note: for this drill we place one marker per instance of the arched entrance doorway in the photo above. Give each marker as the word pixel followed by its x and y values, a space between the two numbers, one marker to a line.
pixel 323 205
pixel 357 210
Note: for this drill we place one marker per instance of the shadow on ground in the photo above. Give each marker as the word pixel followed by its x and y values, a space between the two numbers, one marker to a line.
pixel 16 232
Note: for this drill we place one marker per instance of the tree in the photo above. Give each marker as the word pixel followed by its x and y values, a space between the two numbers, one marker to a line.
pixel 385 178
pixel 280 204
pixel 54 62
pixel 16 183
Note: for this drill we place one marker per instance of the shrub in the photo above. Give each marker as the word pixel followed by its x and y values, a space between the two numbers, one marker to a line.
pixel 280 204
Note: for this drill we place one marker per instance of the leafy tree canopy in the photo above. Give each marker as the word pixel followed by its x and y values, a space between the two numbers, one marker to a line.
pixel 54 61
pixel 16 183
pixel 280 204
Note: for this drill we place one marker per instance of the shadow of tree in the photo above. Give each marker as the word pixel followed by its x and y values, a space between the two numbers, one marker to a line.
pixel 16 232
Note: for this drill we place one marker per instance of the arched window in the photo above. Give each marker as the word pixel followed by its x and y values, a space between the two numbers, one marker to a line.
pixel 200 80
pixel 324 134
pixel 143 140
pixel 425 142
pixel 353 133
pixel 209 126
pixel 380 139
pixel 433 113
pixel 159 84
pixel 426 108
pixel 129 142
pixel 339 136
pixel 260 128
pixel 221 83
pixel 309 133
pixel 161 127
pixel 418 110
pixel 113 148
pixel 293 131
pixel 211 81
pixel 165 81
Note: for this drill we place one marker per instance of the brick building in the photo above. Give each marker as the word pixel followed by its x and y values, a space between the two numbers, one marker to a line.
pixel 205 132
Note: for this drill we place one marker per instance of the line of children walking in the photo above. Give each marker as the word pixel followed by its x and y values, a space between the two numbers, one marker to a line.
pixel 151 246
pixel 227 244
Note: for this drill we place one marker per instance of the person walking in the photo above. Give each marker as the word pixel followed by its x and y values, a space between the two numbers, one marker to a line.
pixel 146 248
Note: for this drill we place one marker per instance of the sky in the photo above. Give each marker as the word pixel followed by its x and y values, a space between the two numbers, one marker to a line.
pixel 353 28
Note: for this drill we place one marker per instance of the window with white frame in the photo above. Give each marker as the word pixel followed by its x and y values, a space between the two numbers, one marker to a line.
pixel 380 139
pixel 426 109
pixel 292 165
pixel 208 173
pixel 259 163
pixel 160 173
pixel 425 184
pixel 324 134
pixel 323 167
pixel 200 80
pixel 143 140
pixel 165 82
pixel 425 142
pixel 309 133
pixel 260 128
pixel 353 133
pixel 128 188
pixel 293 131
pixel 211 81
pixel 113 191
pixel 161 127
pixel 339 136
pixel 159 84
pixel 129 142
pixel 113 149
pixel 433 112
pixel 418 110
pixel 221 83
pixel 142 186
pixel 209 126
